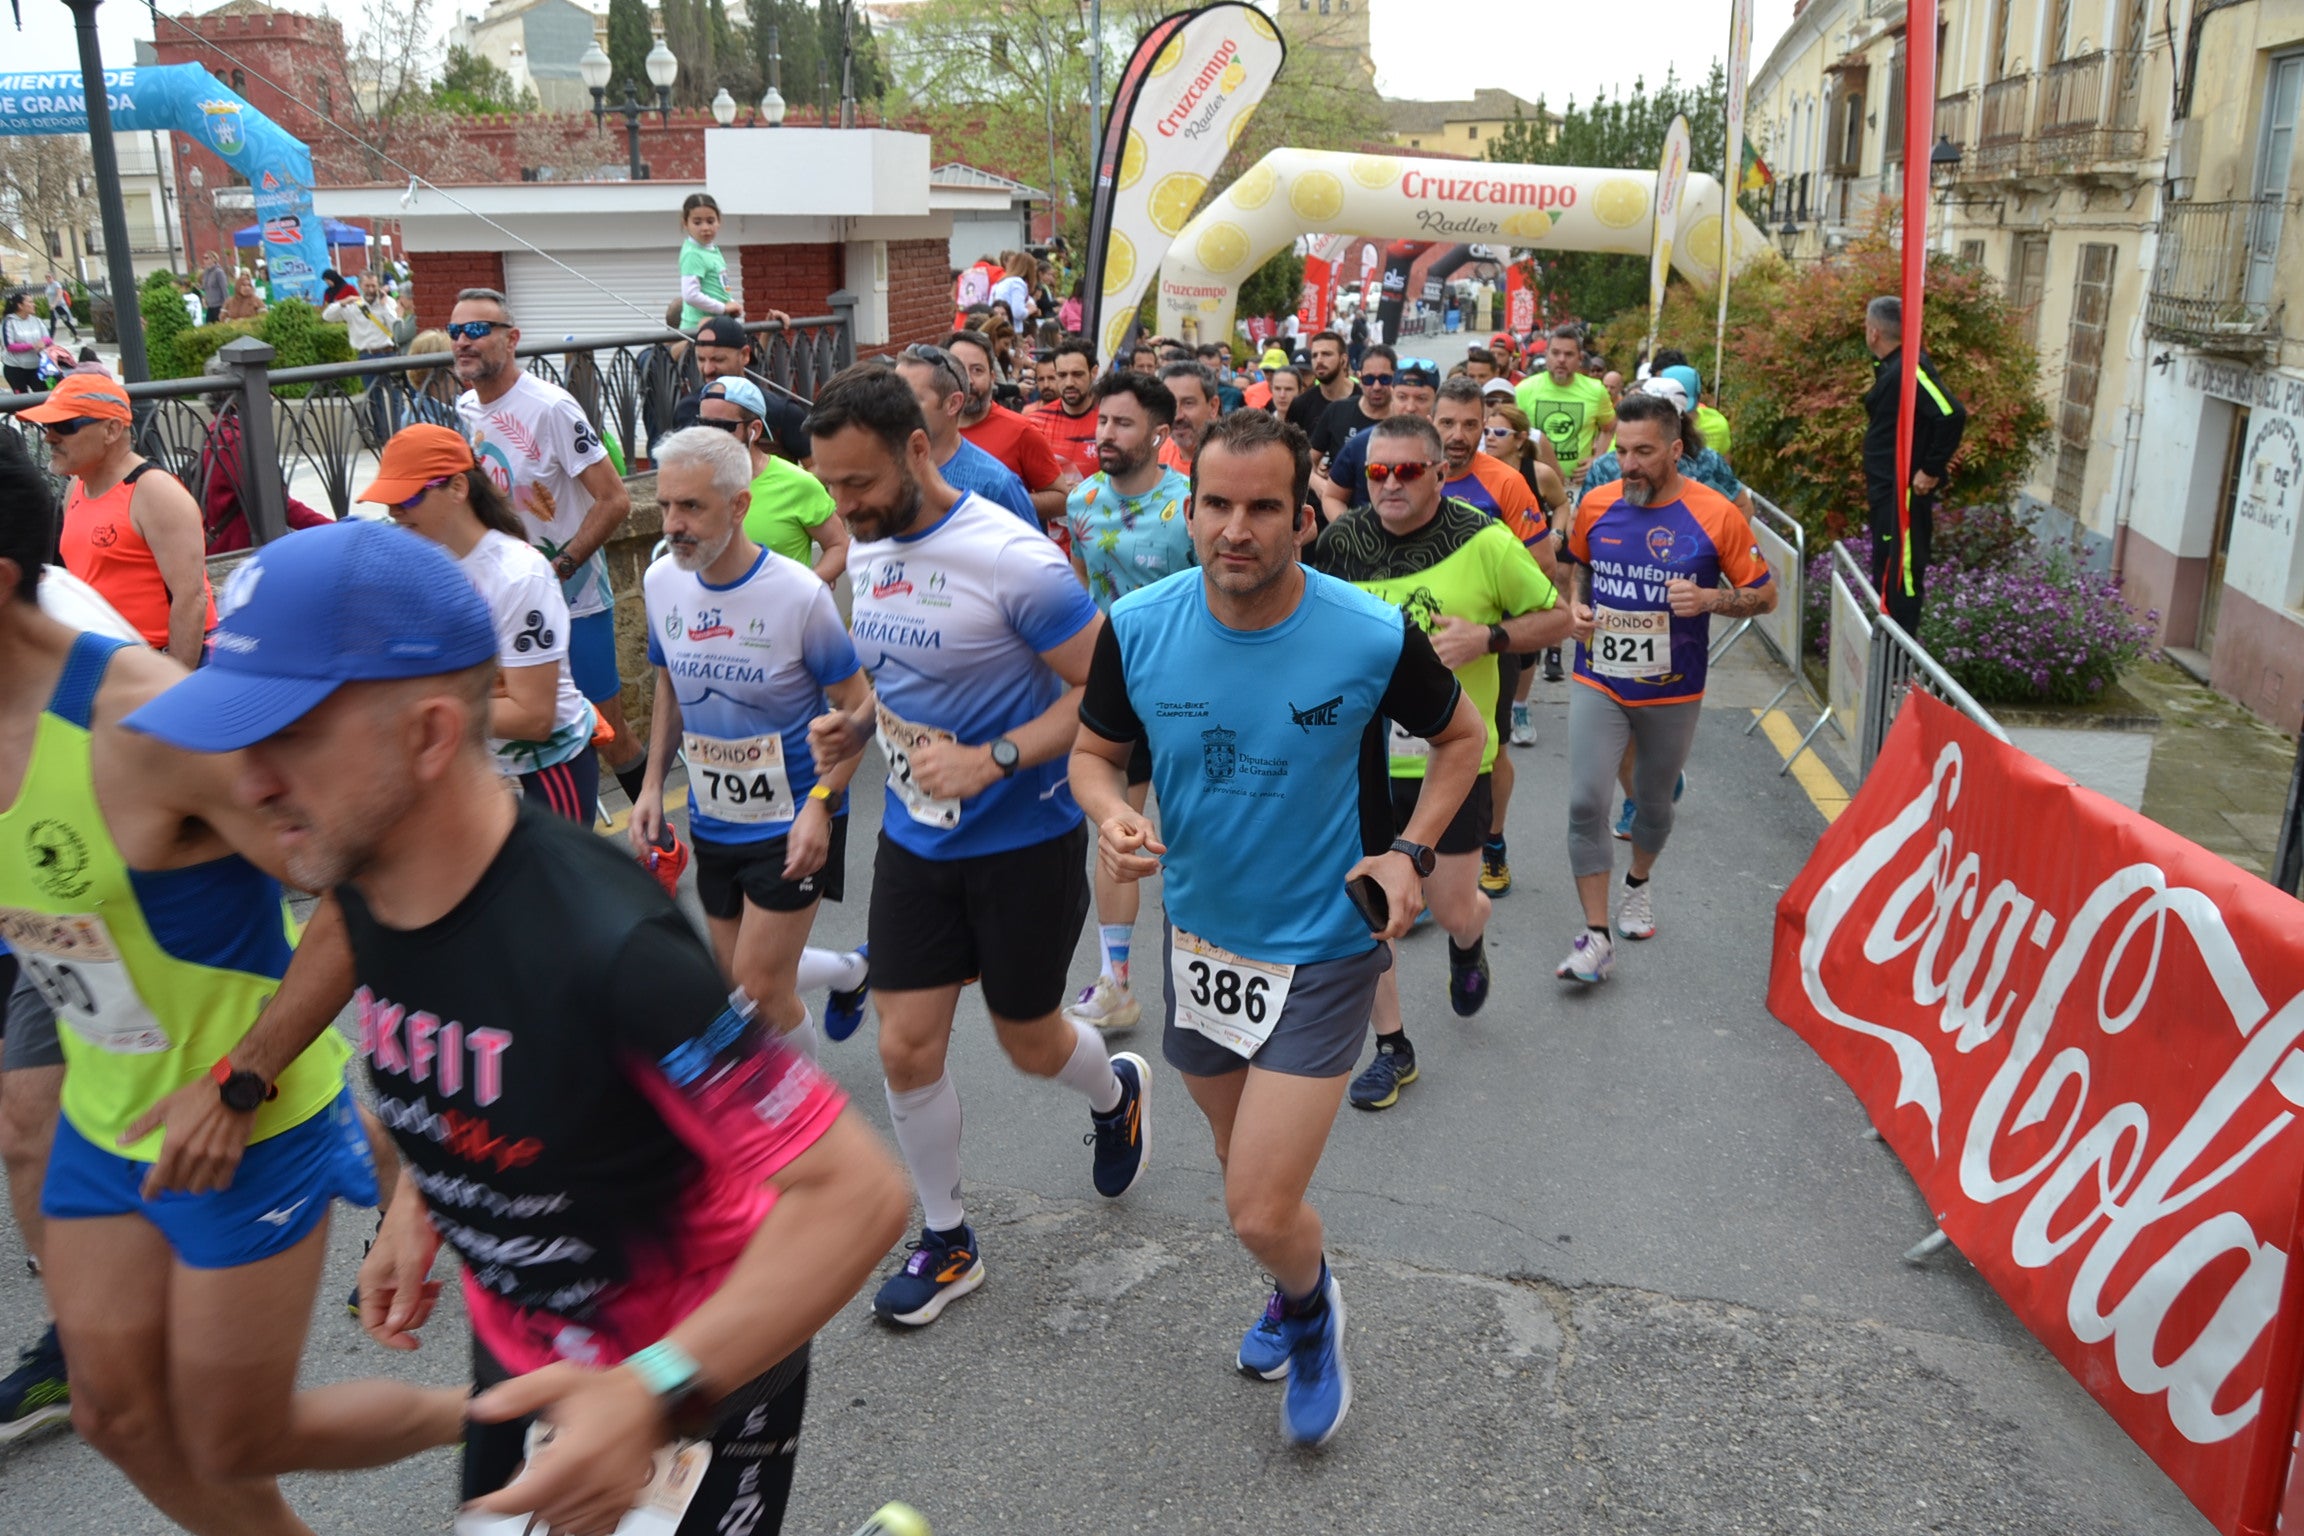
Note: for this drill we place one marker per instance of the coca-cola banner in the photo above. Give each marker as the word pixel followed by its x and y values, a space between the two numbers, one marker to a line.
pixel 2080 1033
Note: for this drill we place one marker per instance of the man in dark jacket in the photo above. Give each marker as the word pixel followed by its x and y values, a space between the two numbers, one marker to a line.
pixel 1938 419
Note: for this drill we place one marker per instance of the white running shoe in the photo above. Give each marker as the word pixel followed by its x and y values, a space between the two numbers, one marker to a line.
pixel 1523 728
pixel 1636 917
pixel 1590 961
pixel 1107 1006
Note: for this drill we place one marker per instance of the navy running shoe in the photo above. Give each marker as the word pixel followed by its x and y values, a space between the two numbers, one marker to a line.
pixel 1264 1348
pixel 1379 1085
pixel 1119 1137
pixel 37 1392
pixel 943 1268
pixel 1319 1382
pixel 843 1011
pixel 1468 978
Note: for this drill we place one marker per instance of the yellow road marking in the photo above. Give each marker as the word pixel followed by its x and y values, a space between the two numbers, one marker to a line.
pixel 1817 780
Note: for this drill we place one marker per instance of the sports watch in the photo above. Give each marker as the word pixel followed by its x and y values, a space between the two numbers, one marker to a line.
pixel 671 1376
pixel 1418 855
pixel 1005 757
pixel 1498 638
pixel 242 1092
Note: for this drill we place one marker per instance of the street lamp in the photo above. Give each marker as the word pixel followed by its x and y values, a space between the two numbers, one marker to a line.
pixel 662 71
pixel 724 108
pixel 1788 239
pixel 772 99
pixel 1944 161
pixel 595 68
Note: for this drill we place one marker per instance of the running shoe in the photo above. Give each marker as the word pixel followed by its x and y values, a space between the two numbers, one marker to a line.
pixel 1636 916
pixel 843 1011
pixel 1495 870
pixel 941 1270
pixel 1106 1006
pixel 1523 728
pixel 1378 1087
pixel 1624 821
pixel 1264 1348
pixel 1319 1382
pixel 1468 978
pixel 1679 787
pixel 666 861
pixel 37 1392
pixel 1590 960
pixel 1119 1137
pixel 1552 665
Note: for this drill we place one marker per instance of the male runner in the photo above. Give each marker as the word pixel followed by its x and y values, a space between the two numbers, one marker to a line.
pixel 1653 546
pixel 140 896
pixel 747 645
pixel 1415 388
pixel 1466 580
pixel 655 1202
pixel 536 445
pixel 791 512
pixel 1332 382
pixel 1354 413
pixel 1259 687
pixel 1567 405
pixel 1193 388
pixel 1004 434
pixel 1069 421
pixel 940 385
pixel 1217 359
pixel 1129 529
pixel 977 638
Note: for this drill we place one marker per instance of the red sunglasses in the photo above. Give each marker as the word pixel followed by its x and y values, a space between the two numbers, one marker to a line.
pixel 1406 474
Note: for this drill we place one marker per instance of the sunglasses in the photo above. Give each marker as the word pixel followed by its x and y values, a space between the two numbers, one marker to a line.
pixel 732 428
pixel 475 330
pixel 1379 380
pixel 429 487
pixel 1495 434
pixel 943 361
pixel 1419 365
pixel 66 428
pixel 1406 474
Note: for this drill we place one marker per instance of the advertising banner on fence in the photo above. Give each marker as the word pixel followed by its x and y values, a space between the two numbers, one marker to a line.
pixel 1187 93
pixel 2080 1033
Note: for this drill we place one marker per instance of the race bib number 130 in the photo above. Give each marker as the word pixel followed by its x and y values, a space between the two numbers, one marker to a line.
pixel 899 738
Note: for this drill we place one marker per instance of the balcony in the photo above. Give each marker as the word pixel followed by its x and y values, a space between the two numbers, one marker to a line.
pixel 1956 119
pixel 2003 126
pixel 2212 281
pixel 2090 112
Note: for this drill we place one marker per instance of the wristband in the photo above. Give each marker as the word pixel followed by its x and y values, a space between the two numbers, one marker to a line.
pixel 666 1370
pixel 1498 639
pixel 823 793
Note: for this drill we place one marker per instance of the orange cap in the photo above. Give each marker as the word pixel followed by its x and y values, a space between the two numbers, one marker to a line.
pixel 414 458
pixel 80 396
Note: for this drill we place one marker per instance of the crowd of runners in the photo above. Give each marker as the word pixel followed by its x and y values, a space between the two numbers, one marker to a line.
pixel 1263 635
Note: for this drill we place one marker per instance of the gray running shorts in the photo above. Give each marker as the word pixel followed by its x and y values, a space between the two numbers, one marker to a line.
pixel 1320 1031
pixel 29 1037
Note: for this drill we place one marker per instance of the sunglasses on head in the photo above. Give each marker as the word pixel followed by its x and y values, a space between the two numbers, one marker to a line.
pixel 941 360
pixel 68 427
pixel 429 487
pixel 475 330
pixel 1406 474
pixel 1419 364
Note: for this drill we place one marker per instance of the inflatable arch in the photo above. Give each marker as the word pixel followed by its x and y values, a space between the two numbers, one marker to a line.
pixel 186 99
pixel 1291 192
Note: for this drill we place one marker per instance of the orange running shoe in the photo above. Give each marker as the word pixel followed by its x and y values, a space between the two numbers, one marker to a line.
pixel 667 860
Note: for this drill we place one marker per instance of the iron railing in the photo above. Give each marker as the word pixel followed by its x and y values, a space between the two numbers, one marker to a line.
pixel 1955 119
pixel 2090 110
pixel 1897 665
pixel 2003 124
pixel 2201 291
pixel 250 425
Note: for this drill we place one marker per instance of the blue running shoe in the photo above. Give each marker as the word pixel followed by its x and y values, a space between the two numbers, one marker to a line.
pixel 1319 1382
pixel 943 1268
pixel 1679 788
pixel 1264 1349
pixel 1119 1137
pixel 1378 1085
pixel 38 1392
pixel 843 1011
pixel 1624 821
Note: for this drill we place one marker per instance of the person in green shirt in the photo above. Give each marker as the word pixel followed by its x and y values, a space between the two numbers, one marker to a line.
pixel 1672 363
pixel 791 510
pixel 1569 407
pixel 703 269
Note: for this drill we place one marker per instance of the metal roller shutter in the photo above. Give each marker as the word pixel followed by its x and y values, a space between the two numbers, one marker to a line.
pixel 551 303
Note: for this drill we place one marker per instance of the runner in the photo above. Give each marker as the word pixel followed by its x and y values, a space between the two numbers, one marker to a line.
pixel 1356 412
pixel 536 445
pixel 757 652
pixel 1005 434
pixel 131 529
pixel 1509 438
pixel 939 383
pixel 1571 408
pixel 1129 529
pixel 539 726
pixel 791 512
pixel 1653 547
pixel 1466 580
pixel 1217 359
pixel 148 914
pixel 977 638
pixel 1285 387
pixel 1193 388
pixel 1415 389
pixel 1270 969
pixel 1069 421
pixel 656 1204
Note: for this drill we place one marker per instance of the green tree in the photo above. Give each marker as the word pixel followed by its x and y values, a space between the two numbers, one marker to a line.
pixel 471 84
pixel 629 39
pixel 1273 289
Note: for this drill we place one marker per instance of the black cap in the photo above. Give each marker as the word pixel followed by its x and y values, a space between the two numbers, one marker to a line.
pixel 720 331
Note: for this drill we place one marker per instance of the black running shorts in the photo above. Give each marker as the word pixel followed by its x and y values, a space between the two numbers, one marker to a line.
pixel 1012 919
pixel 730 874
pixel 1466 832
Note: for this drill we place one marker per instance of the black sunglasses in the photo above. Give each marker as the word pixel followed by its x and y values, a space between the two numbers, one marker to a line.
pixel 938 358
pixel 476 330
pixel 68 427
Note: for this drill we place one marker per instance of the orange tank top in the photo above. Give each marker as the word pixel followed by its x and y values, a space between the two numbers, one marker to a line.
pixel 102 547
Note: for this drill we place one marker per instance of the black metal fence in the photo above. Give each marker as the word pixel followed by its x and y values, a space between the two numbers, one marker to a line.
pixel 237 437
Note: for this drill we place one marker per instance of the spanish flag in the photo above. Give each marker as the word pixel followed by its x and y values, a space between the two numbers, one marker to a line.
pixel 1756 172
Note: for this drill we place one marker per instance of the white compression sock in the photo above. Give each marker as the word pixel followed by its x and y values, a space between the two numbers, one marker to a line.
pixel 840 970
pixel 1089 1072
pixel 927 1124
pixel 803 1037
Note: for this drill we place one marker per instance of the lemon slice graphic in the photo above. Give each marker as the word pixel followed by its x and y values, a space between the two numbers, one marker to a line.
pixel 1234 74
pixel 1115 329
pixel 1174 197
pixel 1222 247
pixel 1131 159
pixel 1620 204
pixel 1255 187
pixel 1531 224
pixel 1170 56
pixel 1119 263
pixel 1261 25
pixel 1374 171
pixel 1239 126
pixel 1702 242
pixel 1317 196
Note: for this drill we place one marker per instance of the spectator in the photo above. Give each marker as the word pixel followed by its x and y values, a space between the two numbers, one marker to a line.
pixel 215 288
pixel 244 304
pixel 1070 313
pixel 1900 567
pixel 223 477
pixel 60 307
pixel 26 335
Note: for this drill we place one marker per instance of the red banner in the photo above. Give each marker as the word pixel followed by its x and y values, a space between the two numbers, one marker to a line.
pixel 2079 1032
pixel 1312 305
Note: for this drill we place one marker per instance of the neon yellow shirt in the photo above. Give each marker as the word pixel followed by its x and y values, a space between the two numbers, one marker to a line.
pixel 1569 415
pixel 787 501
pixel 1714 426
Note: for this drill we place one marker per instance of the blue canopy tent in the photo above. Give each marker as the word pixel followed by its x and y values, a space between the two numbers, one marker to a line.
pixel 334 231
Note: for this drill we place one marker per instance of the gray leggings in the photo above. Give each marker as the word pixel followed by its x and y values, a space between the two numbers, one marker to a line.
pixel 1598 728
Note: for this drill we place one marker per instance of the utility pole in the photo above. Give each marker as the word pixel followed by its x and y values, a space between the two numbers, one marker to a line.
pixel 120 266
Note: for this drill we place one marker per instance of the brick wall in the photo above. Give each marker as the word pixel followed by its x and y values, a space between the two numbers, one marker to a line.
pixel 919 290
pixel 798 279
pixel 441 275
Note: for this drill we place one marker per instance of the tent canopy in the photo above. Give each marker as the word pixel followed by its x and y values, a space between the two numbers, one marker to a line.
pixel 336 232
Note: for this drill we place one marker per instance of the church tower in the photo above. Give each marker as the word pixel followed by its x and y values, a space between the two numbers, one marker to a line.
pixel 1332 26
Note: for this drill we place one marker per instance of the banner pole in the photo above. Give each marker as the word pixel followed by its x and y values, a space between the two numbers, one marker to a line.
pixel 1731 181
pixel 1919 87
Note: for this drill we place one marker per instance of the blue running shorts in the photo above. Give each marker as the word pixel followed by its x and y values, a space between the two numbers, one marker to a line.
pixel 592 656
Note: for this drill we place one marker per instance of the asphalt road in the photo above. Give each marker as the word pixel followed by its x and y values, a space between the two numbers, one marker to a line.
pixel 1623 1261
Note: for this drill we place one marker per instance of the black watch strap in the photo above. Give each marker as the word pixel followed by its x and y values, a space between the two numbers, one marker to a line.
pixel 1417 854
pixel 1497 639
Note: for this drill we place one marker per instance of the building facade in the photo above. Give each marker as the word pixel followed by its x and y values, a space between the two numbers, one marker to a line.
pixel 537 43
pixel 1457 127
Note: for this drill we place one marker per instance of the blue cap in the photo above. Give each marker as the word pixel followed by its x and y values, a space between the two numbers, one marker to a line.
pixel 354 601
pixel 741 393
pixel 1688 381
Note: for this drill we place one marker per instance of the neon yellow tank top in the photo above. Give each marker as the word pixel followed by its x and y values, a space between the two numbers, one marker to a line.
pixel 154 975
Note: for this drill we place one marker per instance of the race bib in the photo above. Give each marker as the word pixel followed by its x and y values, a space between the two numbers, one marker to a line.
pixel 741 782
pixel 1231 999
pixel 1626 643
pixel 1405 745
pixel 899 738
pixel 78 969
pixel 673 1481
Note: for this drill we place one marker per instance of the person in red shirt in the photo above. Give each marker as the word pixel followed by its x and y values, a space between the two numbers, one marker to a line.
pixel 1004 433
pixel 1194 387
pixel 1068 422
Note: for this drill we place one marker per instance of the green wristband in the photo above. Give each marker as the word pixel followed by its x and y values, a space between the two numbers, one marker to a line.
pixel 665 1369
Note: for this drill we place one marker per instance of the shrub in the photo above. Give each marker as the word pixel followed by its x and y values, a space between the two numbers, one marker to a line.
pixel 164 323
pixel 199 343
pixel 2038 629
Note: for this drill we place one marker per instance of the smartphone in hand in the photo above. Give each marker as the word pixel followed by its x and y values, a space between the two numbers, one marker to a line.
pixel 1368 897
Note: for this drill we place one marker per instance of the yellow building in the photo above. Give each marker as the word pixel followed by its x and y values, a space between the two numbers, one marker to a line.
pixel 1458 127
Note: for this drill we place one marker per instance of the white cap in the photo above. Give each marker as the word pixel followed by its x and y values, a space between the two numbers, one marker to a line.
pixel 1498 387
pixel 1669 389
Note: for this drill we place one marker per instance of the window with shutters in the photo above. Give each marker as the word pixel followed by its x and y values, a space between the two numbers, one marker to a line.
pixel 2000 10
pixel 2083 366
pixel 1972 252
pixel 2027 281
